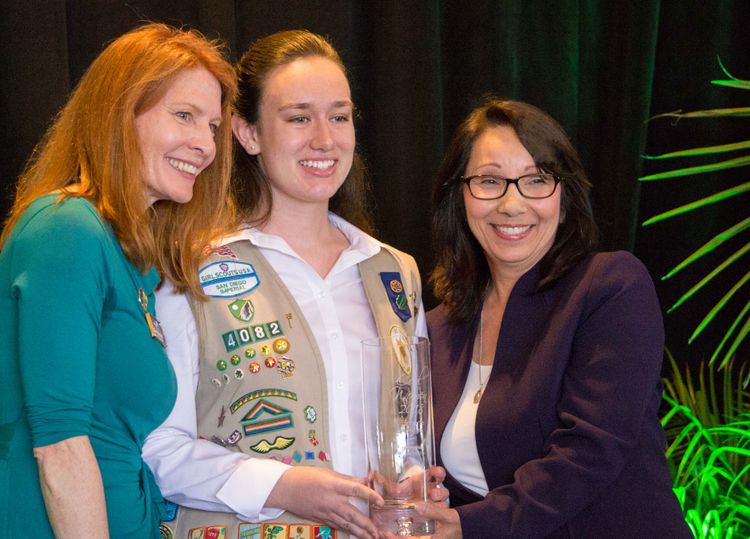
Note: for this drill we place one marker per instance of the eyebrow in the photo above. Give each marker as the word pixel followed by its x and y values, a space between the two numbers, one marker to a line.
pixel 306 106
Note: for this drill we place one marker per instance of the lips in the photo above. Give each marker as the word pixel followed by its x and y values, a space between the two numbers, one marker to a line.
pixel 321 164
pixel 183 166
pixel 512 232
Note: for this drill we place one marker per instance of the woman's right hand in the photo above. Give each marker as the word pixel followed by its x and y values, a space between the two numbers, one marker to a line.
pixel 325 496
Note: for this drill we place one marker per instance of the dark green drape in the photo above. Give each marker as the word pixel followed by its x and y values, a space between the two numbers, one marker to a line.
pixel 417 67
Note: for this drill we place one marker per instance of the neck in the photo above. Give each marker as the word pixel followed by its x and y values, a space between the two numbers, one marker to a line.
pixel 311 235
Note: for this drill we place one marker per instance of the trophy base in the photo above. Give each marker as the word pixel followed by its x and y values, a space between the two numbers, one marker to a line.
pixel 401 519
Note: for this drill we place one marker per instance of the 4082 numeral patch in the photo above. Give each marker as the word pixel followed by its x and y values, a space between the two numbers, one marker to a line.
pixel 251 334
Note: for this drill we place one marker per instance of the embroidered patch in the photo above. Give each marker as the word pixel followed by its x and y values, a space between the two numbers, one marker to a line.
pixel 242 309
pixel 254 422
pixel 270 362
pixel 281 346
pixel 239 374
pixel 400 344
pixel 165 532
pixel 285 366
pixel 275 531
pixel 312 438
pixel 235 359
pixel 249 531
pixel 300 531
pixel 395 292
pixel 227 279
pixel 254 367
pixel 259 394
pixel 310 414
pixel 210 532
pixel 252 334
pixel 324 532
pixel 250 353
pixel 279 442
pixel 221 365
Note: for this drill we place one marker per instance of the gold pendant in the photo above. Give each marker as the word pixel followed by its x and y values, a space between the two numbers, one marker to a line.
pixel 478 395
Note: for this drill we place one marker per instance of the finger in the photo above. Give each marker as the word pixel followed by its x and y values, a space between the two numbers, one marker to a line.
pixel 367 494
pixel 355 522
pixel 433 511
pixel 439 493
pixel 437 474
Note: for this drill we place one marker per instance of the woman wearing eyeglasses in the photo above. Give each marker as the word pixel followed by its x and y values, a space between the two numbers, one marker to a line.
pixel 546 355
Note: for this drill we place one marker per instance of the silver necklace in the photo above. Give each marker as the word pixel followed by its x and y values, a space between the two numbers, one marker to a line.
pixel 480 391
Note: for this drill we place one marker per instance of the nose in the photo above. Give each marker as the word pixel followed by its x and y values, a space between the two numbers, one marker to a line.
pixel 511 203
pixel 203 141
pixel 322 138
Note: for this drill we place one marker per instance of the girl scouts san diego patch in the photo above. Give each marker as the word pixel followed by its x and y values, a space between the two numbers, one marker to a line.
pixel 227 279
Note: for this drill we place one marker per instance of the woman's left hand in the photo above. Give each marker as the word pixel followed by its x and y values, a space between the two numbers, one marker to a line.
pixel 447 520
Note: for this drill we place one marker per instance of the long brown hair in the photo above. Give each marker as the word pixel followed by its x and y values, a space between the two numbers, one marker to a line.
pixel 462 274
pixel 250 186
pixel 92 150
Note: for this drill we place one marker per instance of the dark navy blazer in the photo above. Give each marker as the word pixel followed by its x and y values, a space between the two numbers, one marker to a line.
pixel 567 431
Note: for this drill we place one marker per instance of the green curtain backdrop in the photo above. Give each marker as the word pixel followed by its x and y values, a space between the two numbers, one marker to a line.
pixel 602 68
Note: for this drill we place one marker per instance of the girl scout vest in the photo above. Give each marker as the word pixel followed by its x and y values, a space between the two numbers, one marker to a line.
pixel 262 385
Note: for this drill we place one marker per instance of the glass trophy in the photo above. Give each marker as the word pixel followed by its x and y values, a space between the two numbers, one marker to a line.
pixel 398 430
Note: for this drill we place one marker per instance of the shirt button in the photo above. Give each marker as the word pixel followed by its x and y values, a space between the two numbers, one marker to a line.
pixel 334 335
pixel 339 385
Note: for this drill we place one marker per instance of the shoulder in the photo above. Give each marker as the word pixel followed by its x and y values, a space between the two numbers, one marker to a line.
pixel 404 260
pixel 71 222
pixel 437 319
pixel 614 270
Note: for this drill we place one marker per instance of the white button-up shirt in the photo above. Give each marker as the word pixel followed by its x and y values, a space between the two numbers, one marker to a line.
pixel 200 474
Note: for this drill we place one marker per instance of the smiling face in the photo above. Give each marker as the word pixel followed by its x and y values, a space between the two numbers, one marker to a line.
pixel 305 135
pixel 176 135
pixel 514 232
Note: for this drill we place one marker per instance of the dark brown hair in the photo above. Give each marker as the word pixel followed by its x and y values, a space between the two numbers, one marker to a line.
pixel 462 274
pixel 250 186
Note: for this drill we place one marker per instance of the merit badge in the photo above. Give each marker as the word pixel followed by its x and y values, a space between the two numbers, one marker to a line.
pixel 216 382
pixel 279 442
pixel 254 367
pixel 310 414
pixel 281 346
pixel 265 350
pixel 395 291
pixel 266 416
pixel 285 366
pixel 242 309
pixel 225 378
pixel 309 455
pixel 270 362
pixel 250 353
pixel 221 365
pixel 249 531
pixel 275 531
pixel 239 374
pixel 235 360
pixel 227 279
pixel 324 532
pixel 400 344
pixel 312 438
pixel 165 532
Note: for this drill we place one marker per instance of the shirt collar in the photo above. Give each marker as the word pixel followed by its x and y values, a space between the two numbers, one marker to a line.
pixel 361 245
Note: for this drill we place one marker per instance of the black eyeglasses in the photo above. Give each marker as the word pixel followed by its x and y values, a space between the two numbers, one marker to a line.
pixel 488 187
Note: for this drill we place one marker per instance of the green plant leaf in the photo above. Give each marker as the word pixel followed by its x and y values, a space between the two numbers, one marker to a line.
pixel 719 305
pixel 699 169
pixel 705 150
pixel 718 197
pixel 709 113
pixel 711 275
pixel 712 244
pixel 743 85
pixel 727 336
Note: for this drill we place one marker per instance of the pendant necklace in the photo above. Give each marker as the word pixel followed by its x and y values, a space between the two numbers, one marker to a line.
pixel 480 391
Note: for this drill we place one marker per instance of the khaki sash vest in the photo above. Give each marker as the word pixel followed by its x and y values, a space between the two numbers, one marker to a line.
pixel 262 386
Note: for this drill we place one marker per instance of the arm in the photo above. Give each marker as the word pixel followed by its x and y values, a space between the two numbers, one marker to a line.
pixel 59 264
pixel 72 488
pixel 610 374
